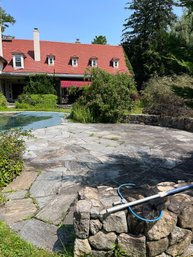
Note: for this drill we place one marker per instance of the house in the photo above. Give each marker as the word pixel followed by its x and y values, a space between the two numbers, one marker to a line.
pixel 67 62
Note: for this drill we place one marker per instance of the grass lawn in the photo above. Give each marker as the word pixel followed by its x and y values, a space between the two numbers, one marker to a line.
pixel 12 246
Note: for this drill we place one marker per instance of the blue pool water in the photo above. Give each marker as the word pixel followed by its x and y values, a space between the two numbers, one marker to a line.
pixel 30 120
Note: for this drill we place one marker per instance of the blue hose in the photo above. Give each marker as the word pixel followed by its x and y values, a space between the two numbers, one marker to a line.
pixel 131 210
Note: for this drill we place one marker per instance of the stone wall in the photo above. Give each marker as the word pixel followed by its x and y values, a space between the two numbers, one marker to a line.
pixel 156 120
pixel 121 234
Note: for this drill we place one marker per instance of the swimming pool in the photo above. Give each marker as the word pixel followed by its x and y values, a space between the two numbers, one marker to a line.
pixel 30 120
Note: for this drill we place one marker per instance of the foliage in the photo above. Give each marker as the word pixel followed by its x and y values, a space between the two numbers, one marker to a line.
pixel 38 101
pixel 13 246
pixel 101 40
pixel 167 96
pixel 106 100
pixel 3 101
pixel 74 93
pixel 145 36
pixel 40 84
pixel 5 19
pixel 12 147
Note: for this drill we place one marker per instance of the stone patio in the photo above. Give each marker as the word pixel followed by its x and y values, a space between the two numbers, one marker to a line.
pixel 61 160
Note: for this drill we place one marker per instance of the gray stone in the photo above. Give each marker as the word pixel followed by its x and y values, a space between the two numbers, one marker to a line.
pixel 16 195
pixel 162 227
pixel 177 203
pixel 177 235
pixel 81 248
pixel 56 210
pixel 82 218
pixel 116 222
pixel 157 247
pixel 102 241
pixel 22 182
pixel 40 234
pixel 17 210
pixel 186 217
pixel 88 193
pixel 132 246
pixel 180 247
pixel 102 254
pixel 95 226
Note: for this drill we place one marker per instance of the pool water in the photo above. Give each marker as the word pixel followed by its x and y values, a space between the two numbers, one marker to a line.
pixel 30 120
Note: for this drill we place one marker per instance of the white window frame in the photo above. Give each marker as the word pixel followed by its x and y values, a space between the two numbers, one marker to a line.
pixel 51 60
pixel 15 66
pixel 115 63
pixel 74 62
pixel 94 62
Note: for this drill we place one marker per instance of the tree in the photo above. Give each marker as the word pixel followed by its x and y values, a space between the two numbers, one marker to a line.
pixel 145 35
pixel 5 19
pixel 101 40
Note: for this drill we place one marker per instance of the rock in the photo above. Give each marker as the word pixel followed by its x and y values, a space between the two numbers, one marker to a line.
pixel 56 209
pixel 186 217
pixel 88 193
pixel 116 222
pixel 157 247
pixel 40 234
pixel 108 201
pixel 189 251
pixel 82 218
pixel 102 241
pixel 165 186
pixel 22 182
pixel 81 247
pixel 102 254
pixel 177 203
pixel 180 247
pixel 16 195
pixel 177 235
pixel 17 210
pixel 162 227
pixel 132 246
pixel 95 226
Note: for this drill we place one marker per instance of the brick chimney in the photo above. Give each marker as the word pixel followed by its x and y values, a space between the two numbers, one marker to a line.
pixel 36 45
pixel 1 45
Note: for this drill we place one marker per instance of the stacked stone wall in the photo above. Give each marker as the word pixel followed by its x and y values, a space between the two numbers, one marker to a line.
pixel 120 234
pixel 182 123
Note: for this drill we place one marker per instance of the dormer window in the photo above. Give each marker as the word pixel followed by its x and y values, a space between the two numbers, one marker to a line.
pixel 74 61
pixel 51 59
pixel 115 62
pixel 93 62
pixel 18 61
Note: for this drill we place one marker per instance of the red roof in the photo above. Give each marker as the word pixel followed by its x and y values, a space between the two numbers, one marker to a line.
pixel 70 83
pixel 63 53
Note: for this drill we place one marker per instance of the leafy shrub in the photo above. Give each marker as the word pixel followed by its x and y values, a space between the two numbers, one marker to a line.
pixel 74 93
pixel 106 99
pixel 38 101
pixel 161 96
pixel 12 147
pixel 3 101
pixel 40 84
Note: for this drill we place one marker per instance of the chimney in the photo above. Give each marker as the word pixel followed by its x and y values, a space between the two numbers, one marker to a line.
pixel 1 45
pixel 77 41
pixel 36 44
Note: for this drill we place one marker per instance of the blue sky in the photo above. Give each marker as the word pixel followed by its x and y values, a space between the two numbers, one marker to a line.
pixel 66 20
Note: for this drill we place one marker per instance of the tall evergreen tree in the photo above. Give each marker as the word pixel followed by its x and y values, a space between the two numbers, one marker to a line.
pixel 144 36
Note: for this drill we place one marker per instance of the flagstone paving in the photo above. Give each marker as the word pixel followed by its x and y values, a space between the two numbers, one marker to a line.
pixel 60 160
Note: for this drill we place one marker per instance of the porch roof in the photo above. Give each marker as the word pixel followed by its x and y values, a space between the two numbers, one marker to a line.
pixel 70 83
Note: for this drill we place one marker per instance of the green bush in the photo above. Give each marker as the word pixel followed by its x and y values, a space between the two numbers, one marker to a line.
pixel 39 101
pixel 162 96
pixel 12 147
pixel 106 99
pixel 40 84
pixel 3 101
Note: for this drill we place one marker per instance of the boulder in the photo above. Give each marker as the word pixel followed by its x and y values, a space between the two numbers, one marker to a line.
pixel 116 222
pixel 177 235
pixel 180 247
pixel 132 246
pixel 162 227
pixel 102 241
pixel 186 217
pixel 95 226
pixel 177 203
pixel 157 247
pixel 81 247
